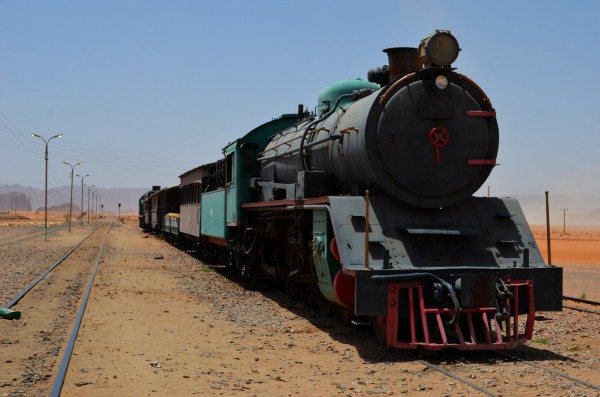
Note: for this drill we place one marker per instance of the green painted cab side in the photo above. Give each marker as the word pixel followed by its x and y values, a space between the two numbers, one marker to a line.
pixel 213 207
pixel 326 265
pixel 244 153
pixel 222 208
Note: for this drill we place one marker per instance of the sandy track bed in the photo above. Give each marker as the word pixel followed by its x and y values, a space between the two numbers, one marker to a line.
pixel 159 322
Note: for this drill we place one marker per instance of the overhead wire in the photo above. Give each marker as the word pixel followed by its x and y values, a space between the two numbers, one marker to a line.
pixel 91 155
pixel 18 134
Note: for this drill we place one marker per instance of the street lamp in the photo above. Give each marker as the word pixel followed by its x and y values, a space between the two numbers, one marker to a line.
pixel 81 216
pixel 93 198
pixel 98 195
pixel 89 188
pixel 71 204
pixel 95 194
pixel 46 142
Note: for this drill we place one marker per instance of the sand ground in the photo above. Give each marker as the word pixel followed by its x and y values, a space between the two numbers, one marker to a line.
pixel 161 323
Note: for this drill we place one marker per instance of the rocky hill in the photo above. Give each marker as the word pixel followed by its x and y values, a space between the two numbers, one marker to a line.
pixel 14 201
pixel 59 196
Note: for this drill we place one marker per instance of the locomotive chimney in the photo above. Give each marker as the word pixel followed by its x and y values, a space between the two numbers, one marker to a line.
pixel 402 60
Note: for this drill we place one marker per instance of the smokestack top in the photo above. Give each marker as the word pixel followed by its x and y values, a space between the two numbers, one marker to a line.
pixel 402 60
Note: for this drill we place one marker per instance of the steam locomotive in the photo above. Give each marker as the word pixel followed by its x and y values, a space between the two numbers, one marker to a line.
pixel 366 207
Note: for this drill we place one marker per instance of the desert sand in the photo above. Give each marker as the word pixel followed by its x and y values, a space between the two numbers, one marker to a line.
pixel 168 325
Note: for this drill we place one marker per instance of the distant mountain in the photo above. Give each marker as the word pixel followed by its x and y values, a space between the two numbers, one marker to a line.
pixel 581 210
pixel 14 201
pixel 61 208
pixel 59 196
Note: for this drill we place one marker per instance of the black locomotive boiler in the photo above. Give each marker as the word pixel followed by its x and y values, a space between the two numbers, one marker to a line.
pixel 367 207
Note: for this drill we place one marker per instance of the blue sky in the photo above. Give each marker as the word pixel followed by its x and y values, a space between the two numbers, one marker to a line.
pixel 145 90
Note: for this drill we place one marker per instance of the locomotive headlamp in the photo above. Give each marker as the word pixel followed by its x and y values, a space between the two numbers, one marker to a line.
pixel 441 82
pixel 439 49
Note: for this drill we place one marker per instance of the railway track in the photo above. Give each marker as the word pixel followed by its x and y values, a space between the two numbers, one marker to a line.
pixel 465 373
pixel 51 305
pixel 395 372
pixel 543 364
pixel 28 232
pixel 583 305
pixel 529 366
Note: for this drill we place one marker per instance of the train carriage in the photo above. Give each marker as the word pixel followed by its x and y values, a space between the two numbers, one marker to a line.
pixel 168 203
pixel 193 183
pixel 145 209
pixel 170 226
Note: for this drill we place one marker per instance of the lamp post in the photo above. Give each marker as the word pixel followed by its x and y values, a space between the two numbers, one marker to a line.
pixel 89 188
pixel 98 205
pixel 95 195
pixel 46 142
pixel 71 202
pixel 84 176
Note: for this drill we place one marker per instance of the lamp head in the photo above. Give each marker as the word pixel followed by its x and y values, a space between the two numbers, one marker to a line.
pixel 439 49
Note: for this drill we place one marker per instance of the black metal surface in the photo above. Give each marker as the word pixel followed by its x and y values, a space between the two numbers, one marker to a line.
pixel 406 164
pixel 371 296
pixel 471 234
pixel 386 146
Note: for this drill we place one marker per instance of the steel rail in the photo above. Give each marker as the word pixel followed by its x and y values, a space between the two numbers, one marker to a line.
pixel 458 378
pixel 547 369
pixel 581 309
pixel 29 234
pixel 579 300
pixel 25 290
pixel 64 365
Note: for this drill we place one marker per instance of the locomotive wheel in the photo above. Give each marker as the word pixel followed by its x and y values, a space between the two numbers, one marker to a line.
pixel 293 290
pixel 380 329
pixel 309 296
pixel 345 315
pixel 326 307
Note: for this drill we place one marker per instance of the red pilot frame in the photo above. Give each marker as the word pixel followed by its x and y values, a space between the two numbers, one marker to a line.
pixel 477 329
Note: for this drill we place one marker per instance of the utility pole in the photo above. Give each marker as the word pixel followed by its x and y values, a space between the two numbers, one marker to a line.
pixel 71 202
pixel 548 227
pixel 46 142
pixel 88 213
pixel 84 176
pixel 564 210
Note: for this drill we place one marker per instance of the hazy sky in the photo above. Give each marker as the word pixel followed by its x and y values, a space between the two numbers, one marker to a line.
pixel 145 90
